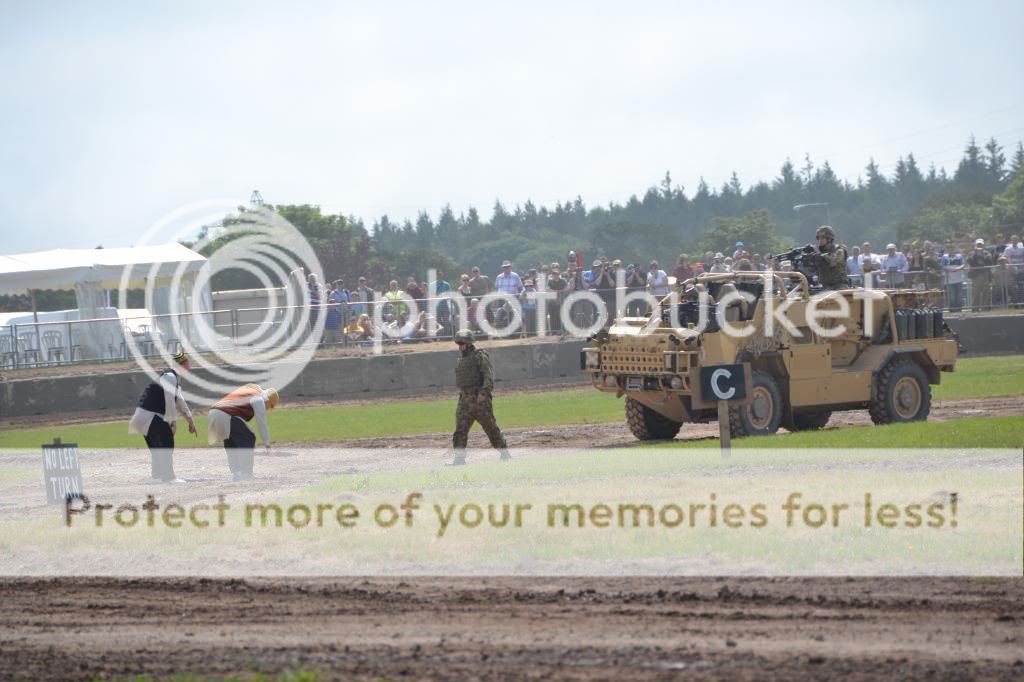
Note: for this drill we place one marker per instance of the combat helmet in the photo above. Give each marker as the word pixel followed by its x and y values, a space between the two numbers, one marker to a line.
pixel 827 231
pixel 464 336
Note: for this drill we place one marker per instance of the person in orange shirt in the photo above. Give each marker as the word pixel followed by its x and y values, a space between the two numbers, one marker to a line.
pixel 227 423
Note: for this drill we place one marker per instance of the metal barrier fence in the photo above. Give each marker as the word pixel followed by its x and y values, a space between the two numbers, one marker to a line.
pixel 975 289
pixel 250 330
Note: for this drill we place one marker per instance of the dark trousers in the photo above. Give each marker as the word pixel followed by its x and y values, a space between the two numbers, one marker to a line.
pixel 160 440
pixel 239 445
pixel 469 410
pixel 530 321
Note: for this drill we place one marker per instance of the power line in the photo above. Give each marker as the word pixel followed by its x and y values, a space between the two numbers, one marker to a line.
pixel 925 131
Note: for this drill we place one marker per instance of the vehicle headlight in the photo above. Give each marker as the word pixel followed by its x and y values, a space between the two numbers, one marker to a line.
pixel 591 358
pixel 676 383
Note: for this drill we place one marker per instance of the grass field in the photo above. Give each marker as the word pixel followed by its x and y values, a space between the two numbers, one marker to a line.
pixel 975 377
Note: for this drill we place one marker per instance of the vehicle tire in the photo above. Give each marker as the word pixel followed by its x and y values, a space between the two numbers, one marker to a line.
pixel 646 424
pixel 901 394
pixel 809 421
pixel 763 414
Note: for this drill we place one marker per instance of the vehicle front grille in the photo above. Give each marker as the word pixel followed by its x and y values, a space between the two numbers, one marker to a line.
pixel 632 362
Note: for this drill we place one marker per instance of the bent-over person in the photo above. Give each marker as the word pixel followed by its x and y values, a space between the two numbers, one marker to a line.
pixel 227 424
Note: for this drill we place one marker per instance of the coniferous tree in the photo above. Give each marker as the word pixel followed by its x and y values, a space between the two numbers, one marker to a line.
pixel 972 173
pixel 1017 164
pixel 995 164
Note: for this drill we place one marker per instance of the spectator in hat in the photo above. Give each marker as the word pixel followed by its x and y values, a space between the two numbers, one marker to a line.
pixel 558 286
pixel 360 299
pixel 528 301
pixel 739 251
pixel 507 281
pixel 155 418
pixel 590 276
pixel 718 263
pixel 980 273
pixel 894 264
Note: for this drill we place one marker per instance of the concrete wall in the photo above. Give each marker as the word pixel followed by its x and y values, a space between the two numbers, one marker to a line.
pixel 990 334
pixel 422 372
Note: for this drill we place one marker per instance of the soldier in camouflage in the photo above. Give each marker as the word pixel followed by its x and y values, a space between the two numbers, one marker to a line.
pixel 475 381
pixel 829 261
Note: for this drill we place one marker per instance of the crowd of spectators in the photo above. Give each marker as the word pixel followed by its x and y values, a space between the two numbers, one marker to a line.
pixel 990 274
pixel 973 273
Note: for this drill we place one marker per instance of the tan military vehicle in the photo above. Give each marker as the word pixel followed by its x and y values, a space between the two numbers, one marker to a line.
pixel 798 374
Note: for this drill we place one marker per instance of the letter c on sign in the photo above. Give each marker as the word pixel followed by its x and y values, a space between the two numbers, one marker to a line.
pixel 719 393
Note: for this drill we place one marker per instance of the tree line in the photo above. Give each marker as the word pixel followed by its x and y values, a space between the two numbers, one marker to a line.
pixel 984 195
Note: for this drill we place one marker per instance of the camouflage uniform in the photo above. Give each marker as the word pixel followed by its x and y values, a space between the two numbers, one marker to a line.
pixel 830 261
pixel 831 267
pixel 473 376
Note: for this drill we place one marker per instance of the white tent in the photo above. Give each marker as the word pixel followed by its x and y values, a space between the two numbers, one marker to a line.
pixel 91 271
pixel 64 268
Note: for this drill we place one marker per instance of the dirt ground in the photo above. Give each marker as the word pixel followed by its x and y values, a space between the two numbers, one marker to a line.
pixel 493 628
pixel 502 628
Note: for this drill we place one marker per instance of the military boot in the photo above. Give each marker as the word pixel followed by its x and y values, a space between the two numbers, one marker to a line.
pixel 505 455
pixel 458 460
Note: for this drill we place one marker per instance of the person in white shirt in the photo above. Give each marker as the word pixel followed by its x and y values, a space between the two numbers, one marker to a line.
pixel 227 423
pixel 155 418
pixel 867 257
pixel 894 264
pixel 869 262
pixel 657 281
pixel 1014 253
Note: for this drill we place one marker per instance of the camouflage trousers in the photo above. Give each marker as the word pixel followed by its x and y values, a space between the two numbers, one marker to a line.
pixel 469 411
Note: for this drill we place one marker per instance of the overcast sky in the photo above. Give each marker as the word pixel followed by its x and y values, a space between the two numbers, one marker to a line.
pixel 115 114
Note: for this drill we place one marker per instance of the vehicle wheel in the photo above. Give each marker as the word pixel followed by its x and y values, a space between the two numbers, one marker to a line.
pixel 902 393
pixel 763 414
pixel 646 424
pixel 809 421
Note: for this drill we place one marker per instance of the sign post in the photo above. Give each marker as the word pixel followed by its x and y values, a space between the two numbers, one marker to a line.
pixel 725 384
pixel 724 437
pixel 62 472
